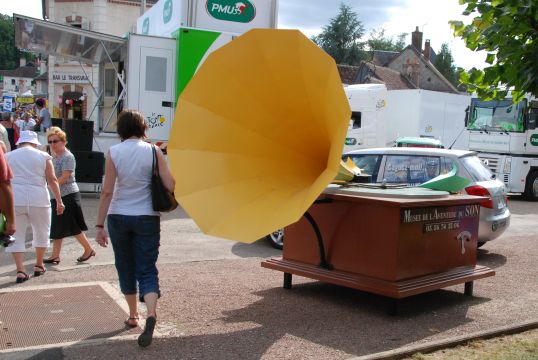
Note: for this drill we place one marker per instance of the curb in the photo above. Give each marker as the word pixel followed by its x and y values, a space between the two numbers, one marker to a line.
pixel 407 351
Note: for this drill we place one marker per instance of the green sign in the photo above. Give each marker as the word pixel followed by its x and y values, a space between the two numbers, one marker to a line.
pixel 145 26
pixel 242 11
pixel 351 141
pixel 167 11
pixel 534 140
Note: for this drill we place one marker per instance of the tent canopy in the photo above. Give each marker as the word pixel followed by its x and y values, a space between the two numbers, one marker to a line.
pixel 45 37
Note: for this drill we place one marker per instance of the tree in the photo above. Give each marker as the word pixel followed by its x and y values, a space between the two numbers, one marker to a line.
pixel 508 31
pixel 444 62
pixel 378 41
pixel 341 38
pixel 9 54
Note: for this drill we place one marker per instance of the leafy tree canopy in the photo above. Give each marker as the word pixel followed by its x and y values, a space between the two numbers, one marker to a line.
pixel 508 31
pixel 341 38
pixel 378 41
pixel 9 54
pixel 444 62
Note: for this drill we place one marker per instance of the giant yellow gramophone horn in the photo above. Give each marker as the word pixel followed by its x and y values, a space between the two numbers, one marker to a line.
pixel 258 134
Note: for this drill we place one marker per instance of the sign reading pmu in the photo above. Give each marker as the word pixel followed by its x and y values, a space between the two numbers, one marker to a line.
pixel 242 11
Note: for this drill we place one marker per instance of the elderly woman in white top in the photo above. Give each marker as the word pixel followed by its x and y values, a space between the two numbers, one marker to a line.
pixel 32 170
pixel 133 225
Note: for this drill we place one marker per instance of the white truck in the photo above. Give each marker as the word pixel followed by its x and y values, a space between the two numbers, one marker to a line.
pixel 506 138
pixel 380 116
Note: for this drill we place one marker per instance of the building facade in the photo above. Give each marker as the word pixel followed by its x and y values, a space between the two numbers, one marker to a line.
pixel 19 80
pixel 411 68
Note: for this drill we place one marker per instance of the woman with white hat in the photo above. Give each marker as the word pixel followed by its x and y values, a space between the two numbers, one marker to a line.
pixel 32 170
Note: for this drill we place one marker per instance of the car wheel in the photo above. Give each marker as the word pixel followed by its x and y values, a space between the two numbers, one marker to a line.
pixel 531 188
pixel 480 244
pixel 276 239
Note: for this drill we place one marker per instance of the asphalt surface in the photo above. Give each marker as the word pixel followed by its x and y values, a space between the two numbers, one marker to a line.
pixel 218 303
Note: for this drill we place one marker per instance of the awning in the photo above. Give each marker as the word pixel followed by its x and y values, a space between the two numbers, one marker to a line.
pixel 45 37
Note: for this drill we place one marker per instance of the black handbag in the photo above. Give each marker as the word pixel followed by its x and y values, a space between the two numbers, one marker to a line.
pixel 162 199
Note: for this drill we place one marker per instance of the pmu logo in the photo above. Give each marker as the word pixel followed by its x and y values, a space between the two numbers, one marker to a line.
pixel 167 11
pixel 242 11
pixel 145 26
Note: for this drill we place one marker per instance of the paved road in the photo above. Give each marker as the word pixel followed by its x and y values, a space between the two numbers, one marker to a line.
pixel 182 242
pixel 219 303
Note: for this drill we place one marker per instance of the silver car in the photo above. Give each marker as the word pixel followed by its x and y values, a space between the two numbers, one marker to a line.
pixel 413 166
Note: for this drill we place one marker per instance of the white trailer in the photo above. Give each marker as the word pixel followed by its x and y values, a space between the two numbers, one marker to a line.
pixel 380 116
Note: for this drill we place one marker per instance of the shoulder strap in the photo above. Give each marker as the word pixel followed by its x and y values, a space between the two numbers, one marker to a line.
pixel 155 163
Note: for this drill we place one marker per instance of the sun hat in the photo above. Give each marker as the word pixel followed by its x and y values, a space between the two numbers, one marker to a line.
pixel 28 136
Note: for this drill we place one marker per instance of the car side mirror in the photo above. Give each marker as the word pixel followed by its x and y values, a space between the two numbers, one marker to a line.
pixel 466 121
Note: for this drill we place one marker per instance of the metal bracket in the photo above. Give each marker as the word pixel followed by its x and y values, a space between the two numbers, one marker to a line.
pixel 322 257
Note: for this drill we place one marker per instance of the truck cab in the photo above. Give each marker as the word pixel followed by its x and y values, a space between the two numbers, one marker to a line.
pixel 504 134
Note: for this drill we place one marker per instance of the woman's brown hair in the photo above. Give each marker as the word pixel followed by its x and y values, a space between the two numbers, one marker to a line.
pixel 131 123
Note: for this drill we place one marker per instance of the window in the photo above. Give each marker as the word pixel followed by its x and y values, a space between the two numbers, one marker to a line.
pixel 477 169
pixel 446 165
pixel 110 77
pixel 369 164
pixel 497 115
pixel 156 74
pixel 410 169
pixel 356 119
pixel 13 82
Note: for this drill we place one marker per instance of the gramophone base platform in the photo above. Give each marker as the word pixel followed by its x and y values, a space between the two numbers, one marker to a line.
pixel 395 290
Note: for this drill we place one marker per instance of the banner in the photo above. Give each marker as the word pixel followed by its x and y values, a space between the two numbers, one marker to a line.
pixel 8 103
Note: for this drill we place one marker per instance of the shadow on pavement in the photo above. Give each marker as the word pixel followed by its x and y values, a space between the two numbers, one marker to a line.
pixel 489 259
pixel 260 248
pixel 49 354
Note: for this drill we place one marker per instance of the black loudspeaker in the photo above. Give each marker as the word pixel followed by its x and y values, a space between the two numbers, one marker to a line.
pixel 90 166
pixel 57 122
pixel 79 134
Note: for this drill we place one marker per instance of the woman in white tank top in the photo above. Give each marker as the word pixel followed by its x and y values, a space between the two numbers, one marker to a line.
pixel 32 171
pixel 133 225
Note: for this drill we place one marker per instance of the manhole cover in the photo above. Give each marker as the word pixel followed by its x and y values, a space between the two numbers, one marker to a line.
pixel 58 315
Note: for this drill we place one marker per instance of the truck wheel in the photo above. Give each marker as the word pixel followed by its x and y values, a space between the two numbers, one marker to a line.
pixel 531 187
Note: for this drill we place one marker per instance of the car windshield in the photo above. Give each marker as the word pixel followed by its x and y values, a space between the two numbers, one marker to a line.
pixel 477 169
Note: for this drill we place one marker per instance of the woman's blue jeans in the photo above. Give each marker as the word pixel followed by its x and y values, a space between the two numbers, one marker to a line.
pixel 136 240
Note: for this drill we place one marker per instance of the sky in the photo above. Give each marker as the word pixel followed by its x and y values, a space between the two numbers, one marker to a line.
pixel 395 16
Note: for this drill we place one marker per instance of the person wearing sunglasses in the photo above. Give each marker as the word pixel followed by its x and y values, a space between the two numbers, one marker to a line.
pixel 32 172
pixel 71 222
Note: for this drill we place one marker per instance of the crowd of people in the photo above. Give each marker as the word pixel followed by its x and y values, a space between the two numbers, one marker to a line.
pixel 27 174
pixel 33 117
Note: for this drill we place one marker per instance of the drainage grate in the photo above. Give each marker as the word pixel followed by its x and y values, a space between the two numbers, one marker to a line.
pixel 58 315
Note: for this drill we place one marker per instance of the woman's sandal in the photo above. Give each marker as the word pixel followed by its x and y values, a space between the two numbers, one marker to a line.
pixel 54 261
pixel 146 337
pixel 132 322
pixel 83 258
pixel 22 279
pixel 40 272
